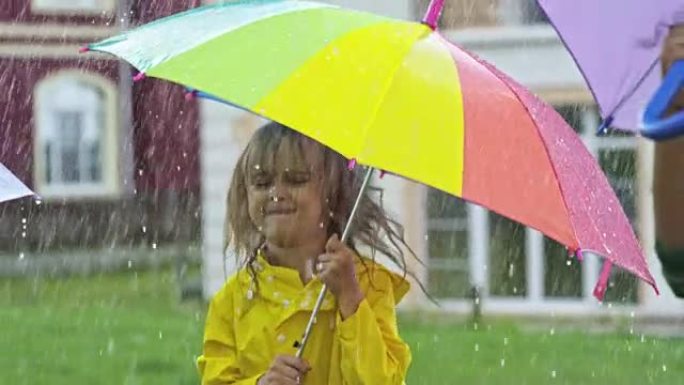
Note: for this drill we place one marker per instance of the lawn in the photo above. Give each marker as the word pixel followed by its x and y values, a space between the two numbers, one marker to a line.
pixel 130 328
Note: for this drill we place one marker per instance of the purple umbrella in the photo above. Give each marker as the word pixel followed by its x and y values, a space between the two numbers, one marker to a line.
pixel 10 186
pixel 617 46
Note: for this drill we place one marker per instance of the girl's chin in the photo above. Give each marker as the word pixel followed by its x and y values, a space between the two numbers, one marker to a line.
pixel 291 236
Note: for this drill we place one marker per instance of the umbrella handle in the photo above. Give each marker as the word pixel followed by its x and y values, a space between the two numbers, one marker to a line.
pixel 654 125
pixel 345 235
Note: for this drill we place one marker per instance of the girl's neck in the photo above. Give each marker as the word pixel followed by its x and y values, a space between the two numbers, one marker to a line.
pixel 300 257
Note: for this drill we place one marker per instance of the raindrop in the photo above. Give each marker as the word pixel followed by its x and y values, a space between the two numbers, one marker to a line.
pixel 503 362
pixel 257 167
pixel 154 245
pixel 23 220
pixel 144 229
pixel 130 263
pixel 664 368
pixel 161 335
pixel 505 340
pixel 568 262
pixel 321 225
pixel 23 234
pixel 642 339
pixel 552 331
pixel 140 172
pixel 39 202
pixel 477 347
pixel 553 374
pixel 21 256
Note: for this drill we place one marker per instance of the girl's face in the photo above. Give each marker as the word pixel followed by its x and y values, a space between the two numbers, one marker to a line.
pixel 285 195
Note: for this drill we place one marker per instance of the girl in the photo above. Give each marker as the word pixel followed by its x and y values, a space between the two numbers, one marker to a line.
pixel 289 199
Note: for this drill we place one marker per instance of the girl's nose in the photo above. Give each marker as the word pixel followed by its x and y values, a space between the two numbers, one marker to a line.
pixel 276 192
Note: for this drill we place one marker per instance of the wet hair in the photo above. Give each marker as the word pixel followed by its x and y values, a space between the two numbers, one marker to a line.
pixel 372 225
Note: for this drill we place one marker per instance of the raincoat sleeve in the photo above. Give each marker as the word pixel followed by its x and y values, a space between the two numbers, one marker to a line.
pixel 371 350
pixel 218 363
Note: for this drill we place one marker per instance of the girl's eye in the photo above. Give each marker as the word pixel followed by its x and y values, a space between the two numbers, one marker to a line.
pixel 299 178
pixel 261 181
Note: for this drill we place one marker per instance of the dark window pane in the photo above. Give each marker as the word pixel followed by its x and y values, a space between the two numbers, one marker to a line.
pixel 507 257
pixel 562 273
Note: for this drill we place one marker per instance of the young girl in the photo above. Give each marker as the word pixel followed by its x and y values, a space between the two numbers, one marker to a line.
pixel 289 199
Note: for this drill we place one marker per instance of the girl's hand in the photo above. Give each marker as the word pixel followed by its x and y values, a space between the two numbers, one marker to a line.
pixel 337 270
pixel 285 370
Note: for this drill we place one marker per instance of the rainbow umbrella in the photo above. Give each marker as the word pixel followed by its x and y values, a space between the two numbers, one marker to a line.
pixel 396 96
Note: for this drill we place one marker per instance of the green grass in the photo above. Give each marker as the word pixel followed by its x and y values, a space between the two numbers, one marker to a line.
pixel 131 329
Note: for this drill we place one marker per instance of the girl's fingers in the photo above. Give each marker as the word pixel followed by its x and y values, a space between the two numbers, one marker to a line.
pixel 333 244
pixel 286 371
pixel 297 364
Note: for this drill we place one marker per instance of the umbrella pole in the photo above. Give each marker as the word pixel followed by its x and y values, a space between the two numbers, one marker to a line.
pixel 324 289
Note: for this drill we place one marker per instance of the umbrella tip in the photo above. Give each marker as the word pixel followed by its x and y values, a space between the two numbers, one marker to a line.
pixel 602 284
pixel 351 164
pixel 190 95
pixel 605 125
pixel 432 15
pixel 140 76
pixel 84 49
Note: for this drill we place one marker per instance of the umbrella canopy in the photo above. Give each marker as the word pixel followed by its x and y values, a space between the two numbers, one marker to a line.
pixel 397 96
pixel 10 186
pixel 617 46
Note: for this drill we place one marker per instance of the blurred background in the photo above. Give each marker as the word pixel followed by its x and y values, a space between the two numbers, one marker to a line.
pixel 105 276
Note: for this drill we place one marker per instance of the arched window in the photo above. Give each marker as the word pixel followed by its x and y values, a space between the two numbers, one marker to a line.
pixel 76 152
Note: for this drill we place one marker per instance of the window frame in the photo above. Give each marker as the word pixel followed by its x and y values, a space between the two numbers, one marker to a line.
pixel 110 185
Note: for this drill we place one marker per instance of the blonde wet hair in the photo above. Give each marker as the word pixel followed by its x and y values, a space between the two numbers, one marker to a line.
pixel 372 225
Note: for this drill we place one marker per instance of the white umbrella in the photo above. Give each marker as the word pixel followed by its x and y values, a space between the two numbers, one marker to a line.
pixel 10 186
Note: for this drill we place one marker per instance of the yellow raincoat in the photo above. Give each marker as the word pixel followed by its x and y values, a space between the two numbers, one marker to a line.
pixel 246 328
